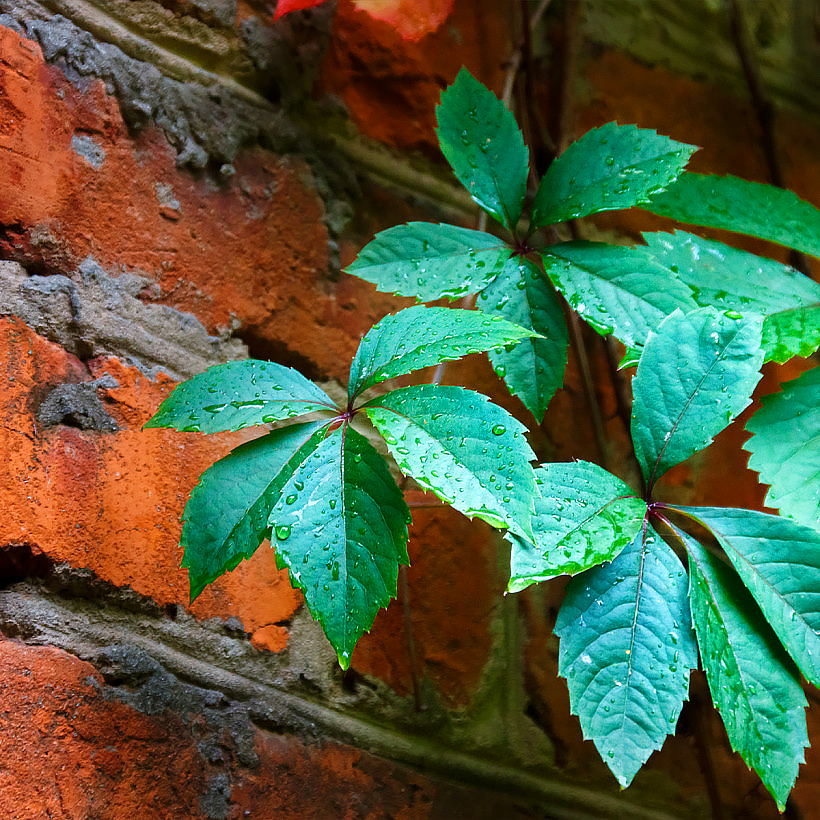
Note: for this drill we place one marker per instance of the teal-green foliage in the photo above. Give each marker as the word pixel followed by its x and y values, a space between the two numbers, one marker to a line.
pixel 653 583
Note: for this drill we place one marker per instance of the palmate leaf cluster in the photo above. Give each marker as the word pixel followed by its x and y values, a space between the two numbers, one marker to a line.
pixel 657 589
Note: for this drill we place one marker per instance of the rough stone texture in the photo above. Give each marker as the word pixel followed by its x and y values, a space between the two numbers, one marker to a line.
pixel 177 191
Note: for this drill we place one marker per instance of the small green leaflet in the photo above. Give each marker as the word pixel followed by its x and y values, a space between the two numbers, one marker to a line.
pixel 340 527
pixel 618 290
pixel 754 683
pixel 483 144
pixel 429 261
pixel 420 336
pixel 627 649
pixel 779 562
pixel 611 167
pixel 226 517
pixel 534 369
pixel 239 394
pixel 785 448
pixel 744 207
pixel 695 375
pixel 793 332
pixel 583 516
pixel 456 443
pixel 731 279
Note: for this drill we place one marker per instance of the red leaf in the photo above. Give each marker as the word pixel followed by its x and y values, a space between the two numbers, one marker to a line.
pixel 412 19
pixel 286 6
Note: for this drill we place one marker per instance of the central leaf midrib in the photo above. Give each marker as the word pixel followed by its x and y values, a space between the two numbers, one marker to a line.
pixel 744 692
pixel 685 408
pixel 430 436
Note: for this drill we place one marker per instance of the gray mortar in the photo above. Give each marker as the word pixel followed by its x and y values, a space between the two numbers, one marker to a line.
pixel 96 313
pixel 78 405
pixel 89 149
pixel 234 690
pixel 206 117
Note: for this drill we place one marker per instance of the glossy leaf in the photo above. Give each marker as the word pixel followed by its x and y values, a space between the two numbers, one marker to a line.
pixel 239 394
pixel 785 448
pixel 731 279
pixel 779 562
pixel 583 516
pixel 483 144
pixel 340 527
pixel 793 332
pixel 626 650
pixel 755 685
pixel 429 261
pixel 226 517
pixel 746 207
pixel 420 336
pixel 533 370
pixel 618 290
pixel 611 167
pixel 695 375
pixel 456 443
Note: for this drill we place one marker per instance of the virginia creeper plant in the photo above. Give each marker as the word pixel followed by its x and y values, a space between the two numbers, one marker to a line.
pixel 658 589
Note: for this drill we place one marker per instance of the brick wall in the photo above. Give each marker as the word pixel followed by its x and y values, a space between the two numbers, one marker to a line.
pixel 180 182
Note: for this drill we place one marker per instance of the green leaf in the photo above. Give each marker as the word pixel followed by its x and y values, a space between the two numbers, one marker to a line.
pixel 456 443
pixel 533 369
pixel 779 562
pixel 239 394
pixel 695 375
pixel 626 650
pixel 785 448
pixel 618 290
pixel 480 139
pixel 793 332
pixel 583 516
pixel 754 684
pixel 340 527
pixel 611 167
pixel 226 517
pixel 428 261
pixel 420 336
pixel 744 207
pixel 731 279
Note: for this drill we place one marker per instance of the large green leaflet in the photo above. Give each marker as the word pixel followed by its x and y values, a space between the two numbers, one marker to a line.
pixel 340 527
pixel 260 392
pixel 611 167
pixel 627 649
pixel 583 515
pixel 468 451
pixel 618 290
pixel 695 375
pixel 754 683
pixel 483 144
pixel 420 336
pixel 226 516
pixel 533 369
pixel 785 448
pixel 779 562
pixel 429 261
pixel 738 205
pixel 731 279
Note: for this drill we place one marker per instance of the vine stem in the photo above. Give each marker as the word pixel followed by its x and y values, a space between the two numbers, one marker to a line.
pixel 763 106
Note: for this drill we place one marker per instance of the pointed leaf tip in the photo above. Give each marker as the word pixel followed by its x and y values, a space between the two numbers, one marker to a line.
pixel 610 167
pixel 340 527
pixel 626 651
pixel 419 336
pixel 480 139
pixel 695 375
